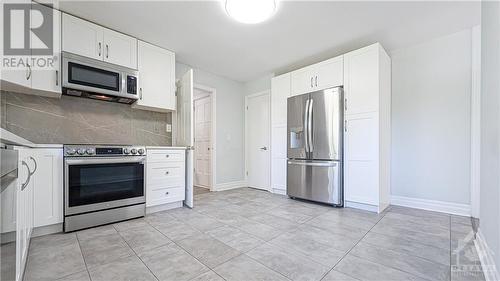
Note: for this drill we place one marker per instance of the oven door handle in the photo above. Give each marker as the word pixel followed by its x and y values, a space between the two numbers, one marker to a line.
pixel 104 160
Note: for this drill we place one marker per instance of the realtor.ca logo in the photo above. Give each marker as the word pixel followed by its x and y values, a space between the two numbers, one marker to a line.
pixel 28 35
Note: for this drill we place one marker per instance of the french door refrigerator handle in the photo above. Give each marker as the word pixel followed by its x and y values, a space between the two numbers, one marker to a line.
pixel 306 119
pixel 309 125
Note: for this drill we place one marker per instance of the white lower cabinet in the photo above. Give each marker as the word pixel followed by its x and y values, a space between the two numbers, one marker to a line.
pixel 165 176
pixel 48 190
pixel 24 209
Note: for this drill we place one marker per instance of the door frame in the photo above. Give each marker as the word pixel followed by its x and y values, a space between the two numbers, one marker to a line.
pixel 212 92
pixel 262 93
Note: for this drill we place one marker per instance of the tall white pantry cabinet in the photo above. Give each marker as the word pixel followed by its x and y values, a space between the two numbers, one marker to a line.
pixel 367 127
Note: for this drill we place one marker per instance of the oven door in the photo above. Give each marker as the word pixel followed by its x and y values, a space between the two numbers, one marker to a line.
pixel 92 184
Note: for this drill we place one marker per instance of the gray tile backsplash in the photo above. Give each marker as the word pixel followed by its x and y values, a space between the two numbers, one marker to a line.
pixel 77 120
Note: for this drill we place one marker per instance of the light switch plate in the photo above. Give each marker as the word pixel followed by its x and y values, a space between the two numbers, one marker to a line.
pixel 169 128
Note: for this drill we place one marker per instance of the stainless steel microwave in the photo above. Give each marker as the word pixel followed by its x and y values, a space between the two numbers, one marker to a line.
pixel 90 78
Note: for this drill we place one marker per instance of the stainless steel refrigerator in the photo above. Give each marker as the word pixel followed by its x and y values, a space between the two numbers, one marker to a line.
pixel 314 149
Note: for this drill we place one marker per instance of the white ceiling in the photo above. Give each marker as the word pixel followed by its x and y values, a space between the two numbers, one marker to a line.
pixel 301 32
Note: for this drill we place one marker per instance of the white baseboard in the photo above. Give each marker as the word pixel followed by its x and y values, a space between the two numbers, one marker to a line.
pixel 279 191
pixel 486 257
pixel 432 205
pixel 361 206
pixel 230 185
pixel 163 207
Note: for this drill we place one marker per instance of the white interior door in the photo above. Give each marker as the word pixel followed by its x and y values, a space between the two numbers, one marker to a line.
pixel 258 139
pixel 184 136
pixel 202 141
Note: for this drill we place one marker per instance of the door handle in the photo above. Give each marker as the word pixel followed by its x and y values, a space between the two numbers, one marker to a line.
pixel 263 148
pixel 306 116
pixel 309 126
pixel 107 51
pixel 312 82
pixel 57 77
pixel 316 81
pixel 100 48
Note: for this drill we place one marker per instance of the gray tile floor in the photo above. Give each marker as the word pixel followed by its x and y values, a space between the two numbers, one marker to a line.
pixel 246 234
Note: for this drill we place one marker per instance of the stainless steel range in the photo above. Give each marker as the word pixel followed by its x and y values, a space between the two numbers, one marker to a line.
pixel 103 184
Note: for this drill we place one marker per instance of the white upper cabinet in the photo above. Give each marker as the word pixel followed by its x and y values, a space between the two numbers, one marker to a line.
pixel 82 37
pixel 362 80
pixel 156 78
pixel 46 81
pixel 280 91
pixel 320 76
pixel 94 41
pixel 120 49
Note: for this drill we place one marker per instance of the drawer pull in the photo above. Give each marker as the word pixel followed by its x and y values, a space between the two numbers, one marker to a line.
pixel 167 155
pixel 166 193
pixel 166 173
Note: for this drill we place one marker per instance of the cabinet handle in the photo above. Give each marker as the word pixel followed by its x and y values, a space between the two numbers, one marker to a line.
pixel 345 104
pixel 140 93
pixel 166 173
pixel 345 126
pixel 312 82
pixel 36 165
pixel 166 193
pixel 100 48
pixel 57 77
pixel 29 72
pixel 107 51
pixel 316 81
pixel 25 184
pixel 167 155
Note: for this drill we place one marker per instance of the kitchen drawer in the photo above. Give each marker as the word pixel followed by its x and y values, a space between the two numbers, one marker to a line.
pixel 169 174
pixel 164 196
pixel 165 156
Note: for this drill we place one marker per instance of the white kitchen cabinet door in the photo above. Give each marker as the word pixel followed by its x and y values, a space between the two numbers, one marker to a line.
pixel 280 91
pixel 15 78
pixel 361 159
pixel 46 81
pixel 82 37
pixel 119 49
pixel 361 80
pixel 302 80
pixel 329 73
pixel 48 187
pixel 156 78
pixel 185 129
pixel 320 76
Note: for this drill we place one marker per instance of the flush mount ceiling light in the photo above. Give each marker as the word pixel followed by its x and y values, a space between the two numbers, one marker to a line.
pixel 250 11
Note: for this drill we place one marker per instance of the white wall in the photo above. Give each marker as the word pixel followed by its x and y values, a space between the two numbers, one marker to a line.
pixel 431 93
pixel 258 85
pixel 230 103
pixel 490 131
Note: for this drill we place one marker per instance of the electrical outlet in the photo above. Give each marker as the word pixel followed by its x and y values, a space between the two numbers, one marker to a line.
pixel 168 128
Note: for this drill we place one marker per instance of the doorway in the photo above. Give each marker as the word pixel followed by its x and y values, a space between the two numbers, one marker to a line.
pixel 204 139
pixel 257 139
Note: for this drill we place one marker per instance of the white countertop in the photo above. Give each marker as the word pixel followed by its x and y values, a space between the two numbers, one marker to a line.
pixel 167 147
pixel 7 137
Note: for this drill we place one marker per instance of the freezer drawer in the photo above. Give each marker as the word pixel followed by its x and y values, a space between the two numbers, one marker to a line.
pixel 319 181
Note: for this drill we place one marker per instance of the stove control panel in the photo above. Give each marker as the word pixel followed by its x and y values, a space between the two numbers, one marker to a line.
pixel 103 150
